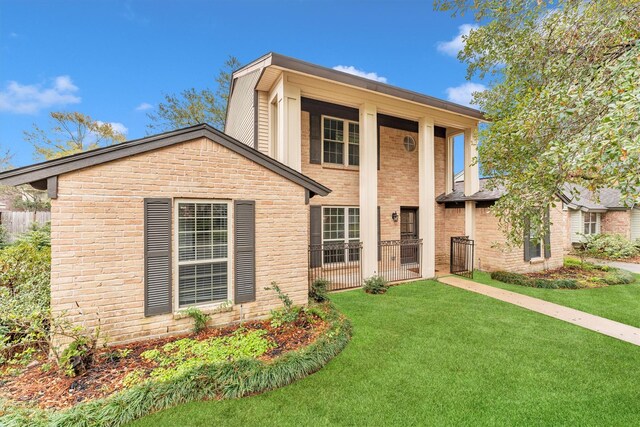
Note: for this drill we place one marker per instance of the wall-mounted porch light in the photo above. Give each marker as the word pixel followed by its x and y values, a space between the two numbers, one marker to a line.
pixel 394 216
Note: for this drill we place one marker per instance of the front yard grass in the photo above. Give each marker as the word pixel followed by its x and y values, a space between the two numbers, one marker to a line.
pixel 620 302
pixel 426 353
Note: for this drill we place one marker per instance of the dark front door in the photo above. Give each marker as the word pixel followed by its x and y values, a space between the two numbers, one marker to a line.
pixel 408 235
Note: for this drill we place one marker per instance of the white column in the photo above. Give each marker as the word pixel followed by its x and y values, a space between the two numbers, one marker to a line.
pixel 426 186
pixel 292 127
pixel 369 189
pixel 448 183
pixel 471 179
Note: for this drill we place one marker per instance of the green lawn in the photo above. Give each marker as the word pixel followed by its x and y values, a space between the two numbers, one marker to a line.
pixel 426 353
pixel 620 302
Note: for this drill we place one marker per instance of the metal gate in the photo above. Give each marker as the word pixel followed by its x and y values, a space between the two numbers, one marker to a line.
pixel 461 259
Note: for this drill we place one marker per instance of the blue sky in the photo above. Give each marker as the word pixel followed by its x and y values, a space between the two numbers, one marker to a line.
pixel 113 60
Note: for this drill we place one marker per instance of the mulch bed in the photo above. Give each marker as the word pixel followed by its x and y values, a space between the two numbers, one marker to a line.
pixel 572 272
pixel 54 390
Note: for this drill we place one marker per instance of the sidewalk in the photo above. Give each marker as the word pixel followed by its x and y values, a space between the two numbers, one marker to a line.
pixel 630 266
pixel 604 326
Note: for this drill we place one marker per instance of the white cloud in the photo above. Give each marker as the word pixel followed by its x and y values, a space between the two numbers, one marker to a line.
pixel 13 35
pixel 144 106
pixel 463 94
pixel 30 99
pixel 455 45
pixel 350 69
pixel 116 126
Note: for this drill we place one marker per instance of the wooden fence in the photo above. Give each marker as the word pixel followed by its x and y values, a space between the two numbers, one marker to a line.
pixel 17 222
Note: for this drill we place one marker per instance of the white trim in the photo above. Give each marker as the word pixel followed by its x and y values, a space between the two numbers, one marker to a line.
pixel 346 238
pixel 345 142
pixel 176 253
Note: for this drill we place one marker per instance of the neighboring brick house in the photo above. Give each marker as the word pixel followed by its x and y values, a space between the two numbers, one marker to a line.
pixel 607 212
pixel 319 174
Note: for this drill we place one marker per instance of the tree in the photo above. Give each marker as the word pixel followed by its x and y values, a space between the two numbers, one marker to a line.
pixel 191 106
pixel 71 133
pixel 563 99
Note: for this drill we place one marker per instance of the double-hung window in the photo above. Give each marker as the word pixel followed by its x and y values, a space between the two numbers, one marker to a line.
pixel 340 142
pixel 340 234
pixel 591 222
pixel 202 252
pixel 535 246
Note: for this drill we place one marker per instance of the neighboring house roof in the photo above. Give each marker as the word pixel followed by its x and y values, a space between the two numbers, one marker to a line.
pixel 39 173
pixel 610 199
pixel 457 195
pixel 293 64
pixel 607 199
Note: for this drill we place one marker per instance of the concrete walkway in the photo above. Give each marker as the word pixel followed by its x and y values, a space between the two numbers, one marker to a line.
pixel 630 266
pixel 604 326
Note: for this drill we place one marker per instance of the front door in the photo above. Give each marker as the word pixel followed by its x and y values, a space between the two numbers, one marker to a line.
pixel 409 235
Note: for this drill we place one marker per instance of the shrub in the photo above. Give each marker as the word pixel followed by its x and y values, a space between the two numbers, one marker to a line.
pixel 286 315
pixel 616 276
pixel 375 285
pixel 614 246
pixel 200 319
pixel 522 280
pixel 39 235
pixel 318 291
pixel 77 358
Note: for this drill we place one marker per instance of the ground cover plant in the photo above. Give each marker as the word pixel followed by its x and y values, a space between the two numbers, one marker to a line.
pixel 611 246
pixel 574 274
pixel 430 354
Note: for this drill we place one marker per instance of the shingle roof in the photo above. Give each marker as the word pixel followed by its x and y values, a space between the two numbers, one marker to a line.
pixel 484 194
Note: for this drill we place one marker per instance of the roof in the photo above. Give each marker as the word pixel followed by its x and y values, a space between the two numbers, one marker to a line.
pixel 606 199
pixel 457 195
pixel 580 198
pixel 286 62
pixel 42 171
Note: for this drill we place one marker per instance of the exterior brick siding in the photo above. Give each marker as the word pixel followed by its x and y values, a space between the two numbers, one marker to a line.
pixel 616 222
pixel 98 235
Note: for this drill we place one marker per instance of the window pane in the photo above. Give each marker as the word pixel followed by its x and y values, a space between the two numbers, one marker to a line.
pixel 202 283
pixel 354 133
pixel 354 155
pixel 333 129
pixel 333 152
pixel 354 223
pixel 333 224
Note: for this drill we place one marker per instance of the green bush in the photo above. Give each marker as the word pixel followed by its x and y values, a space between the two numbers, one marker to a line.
pixel 616 276
pixel 318 291
pixel 375 285
pixel 613 246
pixel 200 319
pixel 522 280
pixel 288 314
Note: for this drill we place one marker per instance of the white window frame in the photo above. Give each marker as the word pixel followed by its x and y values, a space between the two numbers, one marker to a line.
pixel 176 254
pixel 346 238
pixel 345 142
pixel 585 222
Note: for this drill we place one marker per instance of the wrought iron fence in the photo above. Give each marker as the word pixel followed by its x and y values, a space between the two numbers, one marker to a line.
pixel 337 263
pixel 461 257
pixel 400 260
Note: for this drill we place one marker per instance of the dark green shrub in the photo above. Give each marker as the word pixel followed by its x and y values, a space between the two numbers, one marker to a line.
pixel 318 291
pixel 375 285
pixel 522 280
pixel 616 276
pixel 77 358
pixel 513 278
pixel 613 246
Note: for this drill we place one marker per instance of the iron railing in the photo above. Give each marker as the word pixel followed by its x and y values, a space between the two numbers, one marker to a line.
pixel 462 255
pixel 338 263
pixel 400 260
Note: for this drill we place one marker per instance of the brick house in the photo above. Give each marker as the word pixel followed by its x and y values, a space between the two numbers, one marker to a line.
pixel 319 174
pixel 588 214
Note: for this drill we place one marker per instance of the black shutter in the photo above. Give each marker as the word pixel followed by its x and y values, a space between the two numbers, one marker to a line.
pixel 547 235
pixel 527 238
pixel 157 256
pixel 379 247
pixel 245 250
pixel 315 130
pixel 315 235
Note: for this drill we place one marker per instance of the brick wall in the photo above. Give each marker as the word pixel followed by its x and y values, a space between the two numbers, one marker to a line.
pixel 98 241
pixel 616 222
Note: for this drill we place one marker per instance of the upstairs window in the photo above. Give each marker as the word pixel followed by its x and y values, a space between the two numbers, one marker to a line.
pixel 340 142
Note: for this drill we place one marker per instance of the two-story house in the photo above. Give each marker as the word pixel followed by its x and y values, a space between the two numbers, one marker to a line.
pixel 319 175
